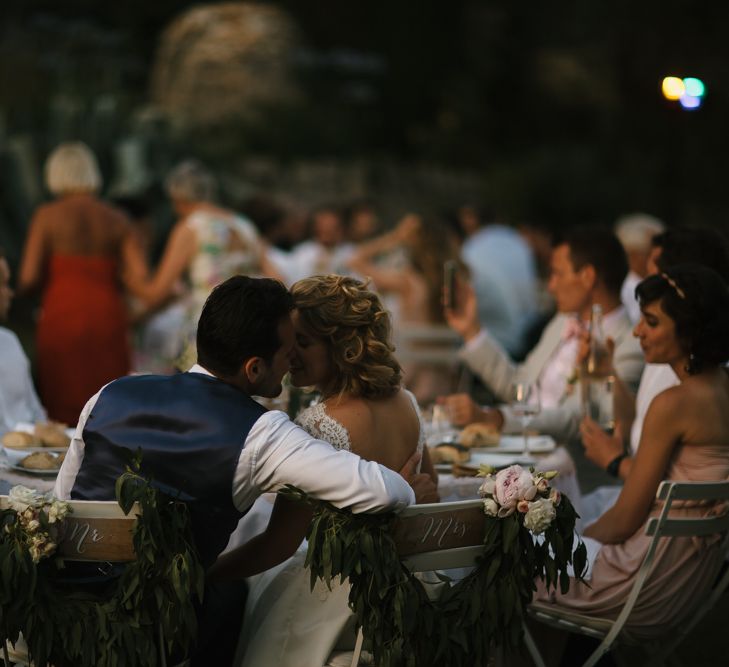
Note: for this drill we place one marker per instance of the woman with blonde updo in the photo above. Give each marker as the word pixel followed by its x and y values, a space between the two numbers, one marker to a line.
pixel 343 349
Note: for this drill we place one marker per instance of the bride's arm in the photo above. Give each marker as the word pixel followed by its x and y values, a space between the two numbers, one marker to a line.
pixel 663 430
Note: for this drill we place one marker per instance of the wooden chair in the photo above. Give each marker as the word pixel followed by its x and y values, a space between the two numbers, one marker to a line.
pixel 438 536
pixel 660 527
pixel 95 532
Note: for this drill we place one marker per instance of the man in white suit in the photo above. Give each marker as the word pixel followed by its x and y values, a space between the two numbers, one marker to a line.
pixel 588 267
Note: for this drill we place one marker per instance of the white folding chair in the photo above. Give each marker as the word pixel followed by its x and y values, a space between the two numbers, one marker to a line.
pixel 660 527
pixel 438 536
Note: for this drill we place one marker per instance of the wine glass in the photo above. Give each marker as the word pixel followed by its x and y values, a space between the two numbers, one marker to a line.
pixel 525 405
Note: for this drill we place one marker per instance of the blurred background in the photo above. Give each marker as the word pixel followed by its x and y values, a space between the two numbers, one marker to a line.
pixel 547 112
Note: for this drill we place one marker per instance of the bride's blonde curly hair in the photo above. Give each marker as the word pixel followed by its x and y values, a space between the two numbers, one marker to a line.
pixel 356 327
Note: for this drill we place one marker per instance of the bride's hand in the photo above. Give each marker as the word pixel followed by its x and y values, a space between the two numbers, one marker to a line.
pixel 422 484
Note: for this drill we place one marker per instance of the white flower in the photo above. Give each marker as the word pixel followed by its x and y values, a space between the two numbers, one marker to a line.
pixel 57 511
pixel 33 526
pixel 555 497
pixel 490 507
pixel 488 486
pixel 21 498
pixel 512 485
pixel 541 513
pixel 35 554
pixel 542 485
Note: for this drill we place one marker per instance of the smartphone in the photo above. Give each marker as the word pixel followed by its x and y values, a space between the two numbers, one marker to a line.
pixel 450 269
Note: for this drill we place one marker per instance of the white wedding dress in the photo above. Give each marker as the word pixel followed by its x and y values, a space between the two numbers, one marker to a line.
pixel 286 624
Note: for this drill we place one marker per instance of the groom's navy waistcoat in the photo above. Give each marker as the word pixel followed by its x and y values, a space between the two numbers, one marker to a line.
pixel 190 428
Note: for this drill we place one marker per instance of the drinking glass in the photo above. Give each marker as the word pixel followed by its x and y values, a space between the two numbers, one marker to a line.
pixel 525 405
pixel 441 426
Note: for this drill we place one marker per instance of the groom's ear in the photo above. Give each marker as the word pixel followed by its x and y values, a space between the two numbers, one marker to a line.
pixel 253 369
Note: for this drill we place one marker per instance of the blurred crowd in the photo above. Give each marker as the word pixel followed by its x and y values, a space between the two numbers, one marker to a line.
pixel 109 306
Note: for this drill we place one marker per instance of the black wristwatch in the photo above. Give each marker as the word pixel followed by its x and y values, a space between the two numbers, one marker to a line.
pixel 613 468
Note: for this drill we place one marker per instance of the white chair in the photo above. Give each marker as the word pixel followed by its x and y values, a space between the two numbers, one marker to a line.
pixel 95 531
pixel 660 527
pixel 438 536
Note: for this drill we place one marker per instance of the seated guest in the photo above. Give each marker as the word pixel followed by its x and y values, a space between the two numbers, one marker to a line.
pixel 18 400
pixel 636 232
pixel 684 323
pixel 695 245
pixel 205 440
pixel 588 267
pixel 344 349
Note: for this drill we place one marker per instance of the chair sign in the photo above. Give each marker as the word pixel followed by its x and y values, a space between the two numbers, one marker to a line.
pixel 98 531
pixel 425 529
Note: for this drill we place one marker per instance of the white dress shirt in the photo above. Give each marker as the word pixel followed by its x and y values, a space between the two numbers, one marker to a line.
pixel 278 452
pixel 18 400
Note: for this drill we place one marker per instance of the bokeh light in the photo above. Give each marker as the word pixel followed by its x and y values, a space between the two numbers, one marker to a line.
pixel 673 88
pixel 694 87
pixel 690 101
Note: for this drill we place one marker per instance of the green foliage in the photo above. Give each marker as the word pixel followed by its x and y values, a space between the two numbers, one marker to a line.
pixel 483 611
pixel 152 601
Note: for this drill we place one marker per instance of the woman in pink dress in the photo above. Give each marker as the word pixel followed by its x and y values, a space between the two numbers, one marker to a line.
pixel 685 323
pixel 77 251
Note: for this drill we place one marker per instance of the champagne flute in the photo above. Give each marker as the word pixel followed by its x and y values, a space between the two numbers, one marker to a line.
pixel 525 405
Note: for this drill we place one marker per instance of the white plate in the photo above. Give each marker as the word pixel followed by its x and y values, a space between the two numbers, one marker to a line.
pixel 34 471
pixel 15 456
pixel 514 444
pixel 499 460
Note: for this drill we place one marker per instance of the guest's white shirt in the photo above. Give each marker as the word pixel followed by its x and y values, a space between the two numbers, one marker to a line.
pixel 655 379
pixel 18 400
pixel 627 296
pixel 278 452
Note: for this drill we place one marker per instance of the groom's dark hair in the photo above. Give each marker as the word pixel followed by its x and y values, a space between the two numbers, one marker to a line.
pixel 240 320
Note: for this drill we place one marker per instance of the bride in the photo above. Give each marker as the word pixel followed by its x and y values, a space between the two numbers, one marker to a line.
pixel 343 349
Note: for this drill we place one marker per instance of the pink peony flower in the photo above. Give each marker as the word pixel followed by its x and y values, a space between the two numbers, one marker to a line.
pixel 522 506
pixel 512 485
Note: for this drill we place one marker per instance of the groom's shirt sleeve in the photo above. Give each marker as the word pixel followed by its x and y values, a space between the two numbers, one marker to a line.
pixel 278 452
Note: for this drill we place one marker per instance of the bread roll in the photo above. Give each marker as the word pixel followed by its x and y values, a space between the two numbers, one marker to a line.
pixel 19 440
pixel 52 434
pixel 40 461
pixel 479 435
pixel 448 454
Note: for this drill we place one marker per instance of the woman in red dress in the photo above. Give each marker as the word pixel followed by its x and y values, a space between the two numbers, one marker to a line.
pixel 77 250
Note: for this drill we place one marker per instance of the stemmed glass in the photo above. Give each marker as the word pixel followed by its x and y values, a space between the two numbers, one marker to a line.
pixel 525 405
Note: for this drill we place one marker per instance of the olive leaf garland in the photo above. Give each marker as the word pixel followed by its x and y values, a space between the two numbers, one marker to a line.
pixel 151 601
pixel 483 611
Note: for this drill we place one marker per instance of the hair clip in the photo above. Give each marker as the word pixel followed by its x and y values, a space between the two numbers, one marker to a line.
pixel 673 284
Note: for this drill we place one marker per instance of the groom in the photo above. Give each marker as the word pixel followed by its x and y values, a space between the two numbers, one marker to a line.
pixel 204 439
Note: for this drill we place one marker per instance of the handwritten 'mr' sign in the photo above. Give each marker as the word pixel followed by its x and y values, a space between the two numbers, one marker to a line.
pixel 97 531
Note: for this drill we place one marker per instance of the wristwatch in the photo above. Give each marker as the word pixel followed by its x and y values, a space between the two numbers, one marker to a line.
pixel 613 468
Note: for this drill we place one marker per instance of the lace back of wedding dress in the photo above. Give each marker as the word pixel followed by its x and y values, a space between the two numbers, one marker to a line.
pixel 315 421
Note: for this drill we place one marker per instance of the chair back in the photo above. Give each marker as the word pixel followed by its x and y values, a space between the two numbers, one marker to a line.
pixel 440 536
pixel 428 344
pixel 96 531
pixel 657 528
